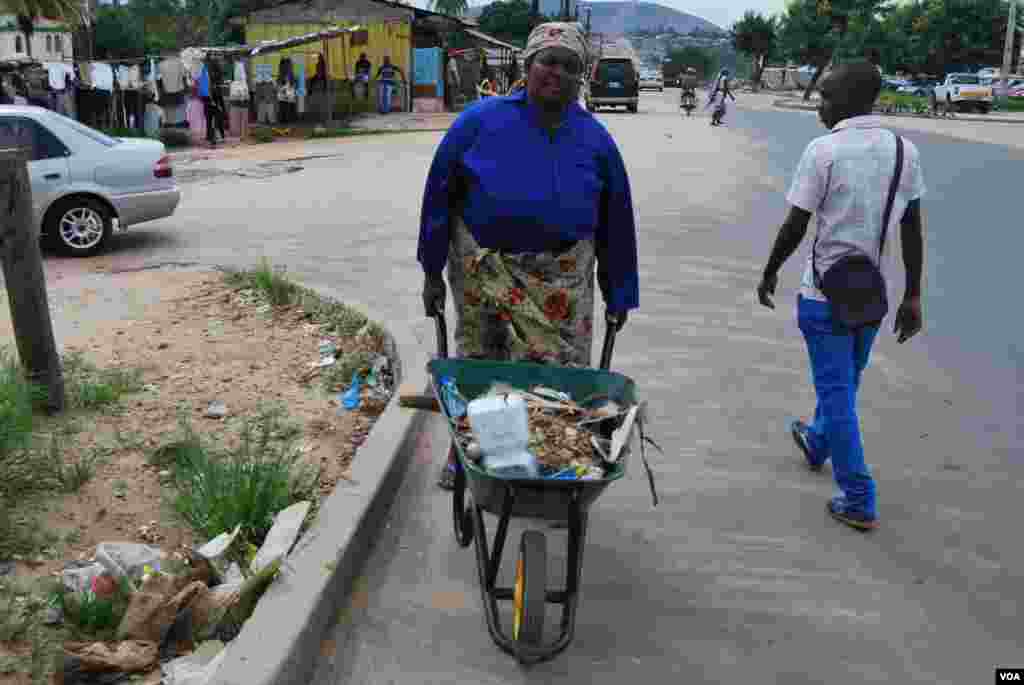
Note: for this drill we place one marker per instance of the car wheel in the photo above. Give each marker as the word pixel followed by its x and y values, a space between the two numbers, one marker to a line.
pixel 984 109
pixel 78 226
pixel 632 108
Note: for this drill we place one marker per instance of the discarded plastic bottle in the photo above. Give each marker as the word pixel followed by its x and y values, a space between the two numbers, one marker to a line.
pixel 454 402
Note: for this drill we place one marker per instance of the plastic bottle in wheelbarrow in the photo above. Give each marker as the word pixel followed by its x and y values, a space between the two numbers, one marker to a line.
pixel 501 425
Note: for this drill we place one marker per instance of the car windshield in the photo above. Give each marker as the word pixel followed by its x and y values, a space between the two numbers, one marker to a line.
pixel 966 80
pixel 91 133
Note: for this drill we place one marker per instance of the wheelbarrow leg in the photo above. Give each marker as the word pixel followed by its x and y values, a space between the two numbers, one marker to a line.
pixel 574 568
pixel 484 562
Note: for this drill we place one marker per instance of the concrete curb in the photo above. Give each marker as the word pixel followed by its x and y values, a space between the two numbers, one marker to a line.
pixel 782 104
pixel 280 644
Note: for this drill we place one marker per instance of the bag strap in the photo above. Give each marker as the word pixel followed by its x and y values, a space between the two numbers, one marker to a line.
pixel 893 187
pixel 886 215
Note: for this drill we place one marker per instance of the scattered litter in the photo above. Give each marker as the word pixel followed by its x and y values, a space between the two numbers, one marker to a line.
pixel 351 398
pixel 129 656
pixel 127 558
pixel 282 535
pixel 326 361
pixel 622 434
pixel 198 668
pixel 453 400
pixel 218 546
pixel 54 616
pixel 7 568
pixel 154 607
pixel 328 348
pixel 78 575
pixel 216 410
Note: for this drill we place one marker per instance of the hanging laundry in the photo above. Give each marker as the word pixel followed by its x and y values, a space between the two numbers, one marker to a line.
pixel 172 71
pixel 57 73
pixel 204 82
pixel 102 76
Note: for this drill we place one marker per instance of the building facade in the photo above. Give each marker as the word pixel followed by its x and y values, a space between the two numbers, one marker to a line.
pixel 51 41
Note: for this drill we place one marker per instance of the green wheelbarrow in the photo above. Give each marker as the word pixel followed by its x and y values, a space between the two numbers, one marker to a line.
pixel 551 500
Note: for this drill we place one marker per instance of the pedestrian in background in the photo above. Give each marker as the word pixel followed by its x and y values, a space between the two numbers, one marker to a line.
pixel 858 179
pixel 386 78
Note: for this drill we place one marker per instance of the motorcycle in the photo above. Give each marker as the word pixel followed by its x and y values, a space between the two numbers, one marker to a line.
pixel 688 101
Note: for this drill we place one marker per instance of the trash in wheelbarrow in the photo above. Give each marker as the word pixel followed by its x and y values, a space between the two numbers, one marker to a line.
pixel 501 427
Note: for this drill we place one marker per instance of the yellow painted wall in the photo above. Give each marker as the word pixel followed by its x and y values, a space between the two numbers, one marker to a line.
pixel 392 39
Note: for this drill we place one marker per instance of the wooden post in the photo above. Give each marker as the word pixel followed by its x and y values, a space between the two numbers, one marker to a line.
pixel 25 281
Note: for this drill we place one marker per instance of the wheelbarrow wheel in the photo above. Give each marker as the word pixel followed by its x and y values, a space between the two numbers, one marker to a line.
pixel 529 593
pixel 462 516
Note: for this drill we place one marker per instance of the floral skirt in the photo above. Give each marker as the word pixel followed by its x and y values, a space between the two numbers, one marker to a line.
pixel 535 307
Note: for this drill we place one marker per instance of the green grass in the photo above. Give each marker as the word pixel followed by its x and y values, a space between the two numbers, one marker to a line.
pixel 270 283
pixel 23 605
pixel 218 488
pixel 88 388
pixel 33 460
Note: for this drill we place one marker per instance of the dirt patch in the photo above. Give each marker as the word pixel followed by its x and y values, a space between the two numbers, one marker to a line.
pixel 198 341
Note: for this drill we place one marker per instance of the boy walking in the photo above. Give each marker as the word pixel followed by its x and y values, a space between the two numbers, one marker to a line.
pixel 862 182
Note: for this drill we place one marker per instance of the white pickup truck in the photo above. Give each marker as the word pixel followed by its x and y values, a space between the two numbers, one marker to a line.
pixel 965 92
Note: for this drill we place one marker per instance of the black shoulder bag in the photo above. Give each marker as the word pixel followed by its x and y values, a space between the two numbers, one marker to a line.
pixel 854 285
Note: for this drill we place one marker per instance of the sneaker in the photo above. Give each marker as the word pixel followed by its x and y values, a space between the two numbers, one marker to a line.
pixel 844 512
pixel 801 436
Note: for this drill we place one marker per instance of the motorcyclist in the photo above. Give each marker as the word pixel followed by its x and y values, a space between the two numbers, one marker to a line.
pixel 689 85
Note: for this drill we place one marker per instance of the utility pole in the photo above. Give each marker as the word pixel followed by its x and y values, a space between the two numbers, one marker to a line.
pixel 1011 32
pixel 24 279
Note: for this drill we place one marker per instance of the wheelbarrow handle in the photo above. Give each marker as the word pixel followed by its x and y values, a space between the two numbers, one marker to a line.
pixel 441 328
pixel 611 329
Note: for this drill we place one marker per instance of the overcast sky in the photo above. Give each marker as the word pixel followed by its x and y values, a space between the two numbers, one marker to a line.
pixel 721 12
pixel 724 12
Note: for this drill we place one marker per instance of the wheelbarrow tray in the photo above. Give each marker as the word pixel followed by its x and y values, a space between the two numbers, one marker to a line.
pixel 541 498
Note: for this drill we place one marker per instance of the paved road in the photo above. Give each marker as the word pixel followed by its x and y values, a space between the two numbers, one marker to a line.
pixel 738 573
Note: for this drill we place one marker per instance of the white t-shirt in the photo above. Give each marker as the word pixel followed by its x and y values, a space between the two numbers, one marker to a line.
pixel 844 178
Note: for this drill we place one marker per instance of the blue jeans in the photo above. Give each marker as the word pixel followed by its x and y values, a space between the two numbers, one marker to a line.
pixel 384 91
pixel 838 358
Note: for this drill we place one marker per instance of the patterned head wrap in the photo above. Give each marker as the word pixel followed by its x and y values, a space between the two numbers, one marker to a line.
pixel 556 35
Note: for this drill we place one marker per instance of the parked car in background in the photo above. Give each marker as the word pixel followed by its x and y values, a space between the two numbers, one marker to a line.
pixel 965 92
pixel 614 82
pixel 996 84
pixel 652 81
pixel 918 88
pixel 87 186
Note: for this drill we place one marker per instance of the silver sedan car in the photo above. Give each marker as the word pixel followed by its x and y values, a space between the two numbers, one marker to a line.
pixel 87 186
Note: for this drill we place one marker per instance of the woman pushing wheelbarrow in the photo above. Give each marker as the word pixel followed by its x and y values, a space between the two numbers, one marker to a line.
pixel 527 196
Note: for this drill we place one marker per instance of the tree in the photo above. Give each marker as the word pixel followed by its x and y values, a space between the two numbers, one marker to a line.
pixel 26 12
pixel 453 8
pixel 806 37
pixel 706 62
pixel 754 35
pixel 508 20
pixel 119 33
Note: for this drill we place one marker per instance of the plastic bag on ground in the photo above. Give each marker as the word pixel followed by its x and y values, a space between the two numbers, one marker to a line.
pixel 127 558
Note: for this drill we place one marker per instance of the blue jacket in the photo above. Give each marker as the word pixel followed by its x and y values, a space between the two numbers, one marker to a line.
pixel 524 189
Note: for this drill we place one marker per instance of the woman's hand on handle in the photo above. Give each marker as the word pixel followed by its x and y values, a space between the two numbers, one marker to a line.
pixel 434 294
pixel 616 320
